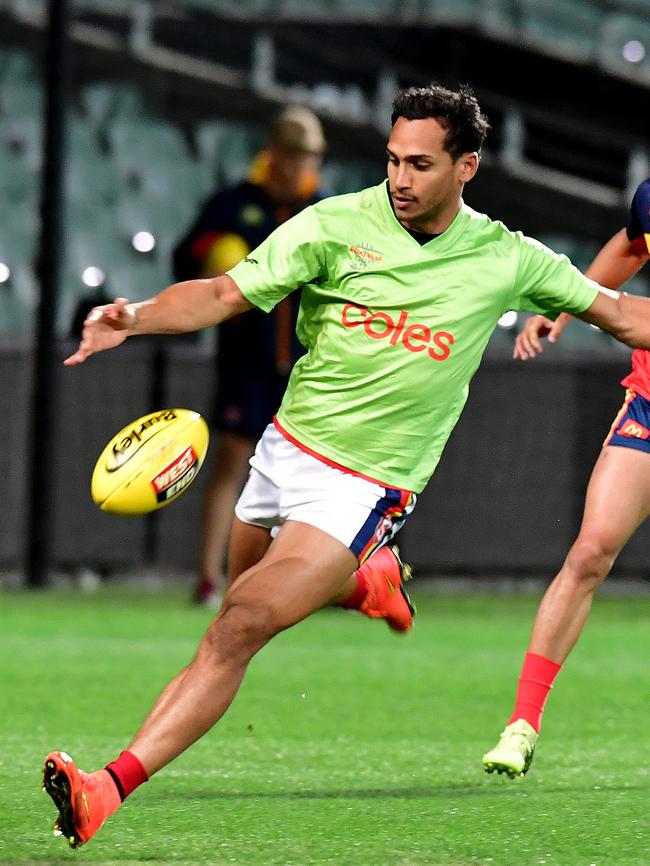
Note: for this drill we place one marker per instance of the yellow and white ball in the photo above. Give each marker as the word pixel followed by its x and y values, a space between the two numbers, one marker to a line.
pixel 150 462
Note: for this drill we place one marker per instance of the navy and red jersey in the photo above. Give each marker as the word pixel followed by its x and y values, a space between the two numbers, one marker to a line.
pixel 248 211
pixel 254 350
pixel 638 231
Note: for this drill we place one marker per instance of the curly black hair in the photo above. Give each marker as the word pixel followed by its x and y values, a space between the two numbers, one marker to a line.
pixel 457 111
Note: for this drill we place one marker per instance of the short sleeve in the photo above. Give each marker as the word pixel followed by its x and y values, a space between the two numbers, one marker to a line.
pixel 289 258
pixel 548 283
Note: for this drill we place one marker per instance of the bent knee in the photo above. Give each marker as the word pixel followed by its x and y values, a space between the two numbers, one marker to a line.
pixel 242 627
pixel 591 558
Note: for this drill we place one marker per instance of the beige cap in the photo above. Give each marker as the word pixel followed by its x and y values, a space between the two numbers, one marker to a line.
pixel 298 128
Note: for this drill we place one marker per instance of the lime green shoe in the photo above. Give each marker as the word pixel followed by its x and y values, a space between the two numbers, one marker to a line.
pixel 514 752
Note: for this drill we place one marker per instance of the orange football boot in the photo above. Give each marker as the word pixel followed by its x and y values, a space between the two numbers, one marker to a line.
pixel 385 574
pixel 84 800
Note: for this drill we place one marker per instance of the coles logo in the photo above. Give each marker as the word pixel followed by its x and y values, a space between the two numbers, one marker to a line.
pixel 414 337
pixel 634 429
pixel 176 476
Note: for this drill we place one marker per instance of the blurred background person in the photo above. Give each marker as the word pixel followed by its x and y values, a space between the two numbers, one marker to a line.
pixel 254 353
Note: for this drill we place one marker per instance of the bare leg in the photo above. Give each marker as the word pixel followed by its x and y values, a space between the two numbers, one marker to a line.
pixel 226 481
pixel 618 501
pixel 248 544
pixel 302 569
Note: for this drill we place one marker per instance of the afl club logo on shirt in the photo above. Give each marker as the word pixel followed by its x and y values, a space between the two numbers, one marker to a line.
pixel 362 256
pixel 414 337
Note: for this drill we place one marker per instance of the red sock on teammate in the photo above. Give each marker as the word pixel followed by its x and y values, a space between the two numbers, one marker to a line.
pixel 535 683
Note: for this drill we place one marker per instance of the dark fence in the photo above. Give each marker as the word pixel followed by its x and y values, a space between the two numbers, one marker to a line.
pixel 507 496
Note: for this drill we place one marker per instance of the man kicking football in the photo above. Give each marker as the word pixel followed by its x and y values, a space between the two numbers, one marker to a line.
pixel 402 286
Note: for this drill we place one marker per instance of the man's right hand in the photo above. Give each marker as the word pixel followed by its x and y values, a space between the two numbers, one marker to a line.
pixel 105 327
pixel 528 342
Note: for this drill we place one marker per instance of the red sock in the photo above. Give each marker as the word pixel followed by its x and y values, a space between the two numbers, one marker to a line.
pixel 535 682
pixel 359 593
pixel 128 773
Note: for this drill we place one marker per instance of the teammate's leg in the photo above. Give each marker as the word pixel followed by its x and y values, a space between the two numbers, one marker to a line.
pixel 617 502
pixel 303 568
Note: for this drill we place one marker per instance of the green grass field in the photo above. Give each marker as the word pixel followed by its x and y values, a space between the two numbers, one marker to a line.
pixel 346 745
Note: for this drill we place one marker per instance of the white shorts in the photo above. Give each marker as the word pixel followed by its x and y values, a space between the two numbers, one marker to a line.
pixel 286 483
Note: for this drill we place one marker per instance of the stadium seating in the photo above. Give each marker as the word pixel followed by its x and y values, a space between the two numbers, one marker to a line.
pixel 306 9
pixel 251 7
pixel 130 169
pixel 90 176
pixel 225 150
pixel 463 11
pixel 18 232
pixel 21 107
pixel 114 7
pixel 340 177
pixel 552 26
pixel 127 171
pixel 104 101
pixel 15 176
pixel 571 27
pixel 366 9
pixel 17 295
pixel 499 17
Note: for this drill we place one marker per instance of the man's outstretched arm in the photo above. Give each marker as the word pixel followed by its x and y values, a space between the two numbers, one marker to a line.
pixel 618 261
pixel 626 317
pixel 183 307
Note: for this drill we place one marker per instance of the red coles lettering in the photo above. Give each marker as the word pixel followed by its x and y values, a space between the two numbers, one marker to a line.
pixel 414 337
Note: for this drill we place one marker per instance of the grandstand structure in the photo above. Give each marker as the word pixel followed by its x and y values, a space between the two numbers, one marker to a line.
pixel 169 101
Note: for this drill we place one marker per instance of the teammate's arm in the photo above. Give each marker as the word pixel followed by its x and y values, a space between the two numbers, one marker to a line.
pixel 183 307
pixel 528 341
pixel 618 261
